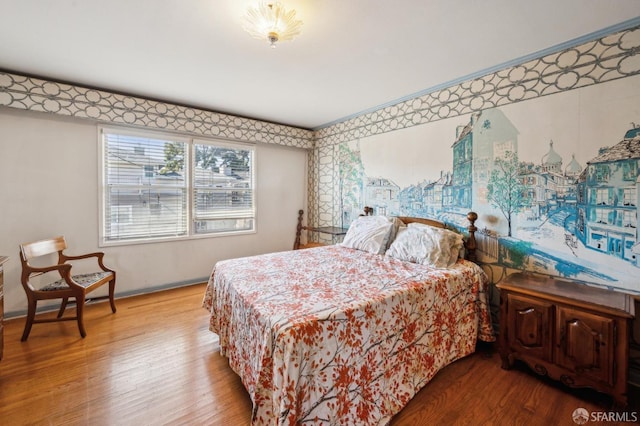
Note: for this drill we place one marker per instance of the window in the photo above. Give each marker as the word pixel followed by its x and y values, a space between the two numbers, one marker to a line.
pixel 629 197
pixel 602 172
pixel 159 187
pixel 602 197
pixel 602 216
pixel 629 170
pixel 222 188
pixel 121 214
pixel 629 219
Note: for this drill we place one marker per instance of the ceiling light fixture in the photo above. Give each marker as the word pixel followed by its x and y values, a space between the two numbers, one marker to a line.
pixel 272 22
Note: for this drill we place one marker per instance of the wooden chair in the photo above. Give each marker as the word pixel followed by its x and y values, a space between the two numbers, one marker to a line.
pixel 68 286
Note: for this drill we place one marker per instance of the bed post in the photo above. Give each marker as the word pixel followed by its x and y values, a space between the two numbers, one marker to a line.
pixel 296 243
pixel 470 244
pixel 368 211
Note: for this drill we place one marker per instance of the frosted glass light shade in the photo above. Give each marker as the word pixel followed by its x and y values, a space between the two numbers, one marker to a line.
pixel 271 22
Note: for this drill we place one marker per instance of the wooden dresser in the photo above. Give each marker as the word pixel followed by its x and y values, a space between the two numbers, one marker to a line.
pixel 571 332
pixel 3 259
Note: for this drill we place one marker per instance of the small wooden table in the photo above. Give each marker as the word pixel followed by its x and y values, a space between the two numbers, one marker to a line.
pixel 334 231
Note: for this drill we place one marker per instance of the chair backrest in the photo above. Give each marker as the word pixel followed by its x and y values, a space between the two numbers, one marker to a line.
pixel 42 248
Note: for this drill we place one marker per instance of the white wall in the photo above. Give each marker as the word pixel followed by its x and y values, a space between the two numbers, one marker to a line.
pixel 49 186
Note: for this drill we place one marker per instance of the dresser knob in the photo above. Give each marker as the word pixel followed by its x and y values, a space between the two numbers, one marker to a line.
pixel 567 380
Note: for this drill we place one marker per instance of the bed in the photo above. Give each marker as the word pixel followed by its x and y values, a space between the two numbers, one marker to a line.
pixel 347 333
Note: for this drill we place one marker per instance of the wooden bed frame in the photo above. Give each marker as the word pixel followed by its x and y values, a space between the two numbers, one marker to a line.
pixel 469 243
pixel 359 300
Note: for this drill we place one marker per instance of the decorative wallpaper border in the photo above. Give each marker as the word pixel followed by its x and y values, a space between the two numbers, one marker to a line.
pixel 608 58
pixel 34 94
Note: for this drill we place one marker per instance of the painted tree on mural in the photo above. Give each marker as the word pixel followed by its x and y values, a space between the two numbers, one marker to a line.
pixel 351 179
pixel 505 189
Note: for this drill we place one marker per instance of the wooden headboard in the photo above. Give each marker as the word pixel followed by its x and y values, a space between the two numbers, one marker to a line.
pixel 431 222
pixel 470 240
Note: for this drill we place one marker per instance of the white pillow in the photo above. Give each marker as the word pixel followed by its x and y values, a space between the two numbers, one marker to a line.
pixel 454 239
pixel 426 245
pixel 397 224
pixel 369 233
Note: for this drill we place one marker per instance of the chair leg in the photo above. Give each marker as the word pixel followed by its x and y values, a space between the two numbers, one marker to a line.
pixel 31 314
pixel 112 289
pixel 79 314
pixel 63 306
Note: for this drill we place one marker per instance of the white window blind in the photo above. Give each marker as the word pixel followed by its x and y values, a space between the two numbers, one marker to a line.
pixel 164 187
pixel 223 187
pixel 145 187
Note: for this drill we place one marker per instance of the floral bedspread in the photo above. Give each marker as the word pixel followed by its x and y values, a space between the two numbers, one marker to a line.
pixel 332 335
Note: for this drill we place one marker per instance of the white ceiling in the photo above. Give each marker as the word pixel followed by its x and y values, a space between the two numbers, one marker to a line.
pixel 352 55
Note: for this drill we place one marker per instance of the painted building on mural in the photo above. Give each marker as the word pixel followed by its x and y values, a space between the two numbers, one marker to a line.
pixel 459 192
pixel 537 190
pixel 382 195
pixel 550 189
pixel 413 197
pixel 568 190
pixel 551 169
pixel 492 135
pixel 608 206
pixel 432 194
pixel 488 135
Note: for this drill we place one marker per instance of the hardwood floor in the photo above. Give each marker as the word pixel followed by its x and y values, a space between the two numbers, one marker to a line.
pixel 154 362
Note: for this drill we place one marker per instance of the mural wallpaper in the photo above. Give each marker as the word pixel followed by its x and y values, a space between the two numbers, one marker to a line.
pixel 555 181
